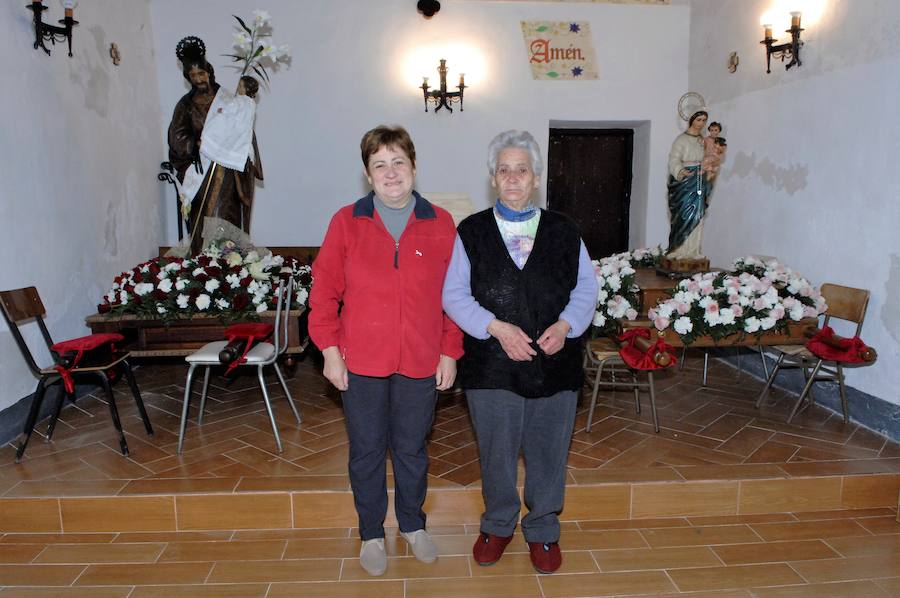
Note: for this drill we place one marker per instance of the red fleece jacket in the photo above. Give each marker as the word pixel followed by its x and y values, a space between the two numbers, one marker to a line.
pixel 379 301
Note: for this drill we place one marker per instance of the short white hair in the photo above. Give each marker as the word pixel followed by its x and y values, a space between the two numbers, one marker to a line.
pixel 515 139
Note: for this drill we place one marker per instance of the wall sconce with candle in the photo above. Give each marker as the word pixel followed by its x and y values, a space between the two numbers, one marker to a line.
pixel 791 48
pixel 51 33
pixel 441 98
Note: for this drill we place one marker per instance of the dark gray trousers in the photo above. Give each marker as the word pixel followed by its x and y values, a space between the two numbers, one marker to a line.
pixel 393 413
pixel 506 424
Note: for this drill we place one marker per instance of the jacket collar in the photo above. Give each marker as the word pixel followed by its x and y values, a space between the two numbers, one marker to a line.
pixel 365 207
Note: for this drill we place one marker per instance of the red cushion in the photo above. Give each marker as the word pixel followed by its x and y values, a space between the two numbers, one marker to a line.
pixel 850 351
pixel 250 330
pixel 640 360
pixel 87 343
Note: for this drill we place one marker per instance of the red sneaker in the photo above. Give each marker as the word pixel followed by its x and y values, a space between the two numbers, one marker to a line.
pixel 489 548
pixel 546 558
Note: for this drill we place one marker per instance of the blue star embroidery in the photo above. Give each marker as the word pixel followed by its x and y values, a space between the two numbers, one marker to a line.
pixel 574 27
pixel 576 71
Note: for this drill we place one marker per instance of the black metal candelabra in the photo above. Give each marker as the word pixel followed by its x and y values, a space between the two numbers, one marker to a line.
pixel 44 32
pixel 789 49
pixel 441 98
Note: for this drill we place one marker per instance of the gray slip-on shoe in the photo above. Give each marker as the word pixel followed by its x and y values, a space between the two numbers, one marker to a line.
pixel 422 545
pixel 373 557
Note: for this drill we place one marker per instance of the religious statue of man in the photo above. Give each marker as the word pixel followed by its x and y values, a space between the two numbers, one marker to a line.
pixel 689 190
pixel 212 146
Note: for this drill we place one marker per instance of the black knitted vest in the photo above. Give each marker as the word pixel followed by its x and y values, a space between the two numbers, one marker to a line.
pixel 531 298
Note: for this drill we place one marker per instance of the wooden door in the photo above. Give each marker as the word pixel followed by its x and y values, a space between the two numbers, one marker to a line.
pixel 589 179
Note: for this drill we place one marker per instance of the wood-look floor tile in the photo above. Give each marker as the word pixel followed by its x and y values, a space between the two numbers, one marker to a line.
pixel 141 574
pixel 608 501
pixel 685 499
pixel 881 525
pixel 699 536
pixel 601 539
pixel 845 514
pixel 341 589
pixel 772 452
pixel 294 483
pixel 805 494
pixel 338 548
pixel 854 467
pixel 605 584
pixel 866 567
pixel 809 530
pixel 867 545
pixel 292 534
pixel 29 515
pixel 163 537
pixel 235 511
pixel 610 475
pixel 179 486
pixel 61 592
pixel 19 553
pixel 505 587
pixel 118 514
pixel 633 523
pixel 745 471
pixel 739 576
pixel 39 575
pixel 100 553
pixel 861 492
pixel 276 571
pixel 56 538
pixel 655 558
pixel 774 552
pixel 410 568
pixel 890 586
pixel 201 591
pixel 737 519
pixel 260 550
pixel 519 563
pixel 46 488
pixel 843 589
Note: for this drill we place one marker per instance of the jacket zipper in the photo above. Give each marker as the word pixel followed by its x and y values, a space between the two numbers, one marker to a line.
pixel 396 254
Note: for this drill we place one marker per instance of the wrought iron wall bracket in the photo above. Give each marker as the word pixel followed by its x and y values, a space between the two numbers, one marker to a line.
pixel 789 49
pixel 50 33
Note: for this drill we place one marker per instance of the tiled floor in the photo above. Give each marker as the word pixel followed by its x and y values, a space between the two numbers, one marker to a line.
pixel 712 433
pixel 825 554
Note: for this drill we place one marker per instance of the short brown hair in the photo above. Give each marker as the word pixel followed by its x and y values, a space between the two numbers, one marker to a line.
pixel 387 136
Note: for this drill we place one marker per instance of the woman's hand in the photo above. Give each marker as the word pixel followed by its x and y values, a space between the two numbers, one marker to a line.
pixel 513 340
pixel 445 375
pixel 335 369
pixel 554 337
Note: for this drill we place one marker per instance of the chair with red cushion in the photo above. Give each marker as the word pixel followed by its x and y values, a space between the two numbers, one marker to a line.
pixel 259 356
pixel 93 357
pixel 844 303
pixel 609 356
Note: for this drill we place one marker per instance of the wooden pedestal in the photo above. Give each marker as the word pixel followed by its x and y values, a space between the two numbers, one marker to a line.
pixel 682 267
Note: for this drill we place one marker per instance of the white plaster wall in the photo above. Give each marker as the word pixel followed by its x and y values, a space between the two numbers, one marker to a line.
pixel 811 174
pixel 79 152
pixel 346 77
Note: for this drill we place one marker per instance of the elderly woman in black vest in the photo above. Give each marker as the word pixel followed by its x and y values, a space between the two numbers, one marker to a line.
pixel 521 286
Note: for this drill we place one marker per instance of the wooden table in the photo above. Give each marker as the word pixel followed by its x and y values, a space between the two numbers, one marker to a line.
pixel 796 335
pixel 151 337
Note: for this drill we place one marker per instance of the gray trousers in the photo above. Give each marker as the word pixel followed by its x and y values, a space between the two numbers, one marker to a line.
pixel 393 413
pixel 505 424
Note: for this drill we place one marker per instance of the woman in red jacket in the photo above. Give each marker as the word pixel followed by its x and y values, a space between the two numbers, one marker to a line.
pixel 376 315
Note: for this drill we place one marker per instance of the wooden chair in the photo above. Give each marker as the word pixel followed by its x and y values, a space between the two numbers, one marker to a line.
pixel 603 355
pixel 260 356
pixel 844 303
pixel 22 305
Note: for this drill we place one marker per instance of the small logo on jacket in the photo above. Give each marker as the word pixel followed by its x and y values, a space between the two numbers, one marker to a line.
pixel 418 253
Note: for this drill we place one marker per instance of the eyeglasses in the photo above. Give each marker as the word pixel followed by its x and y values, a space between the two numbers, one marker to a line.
pixel 505 171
